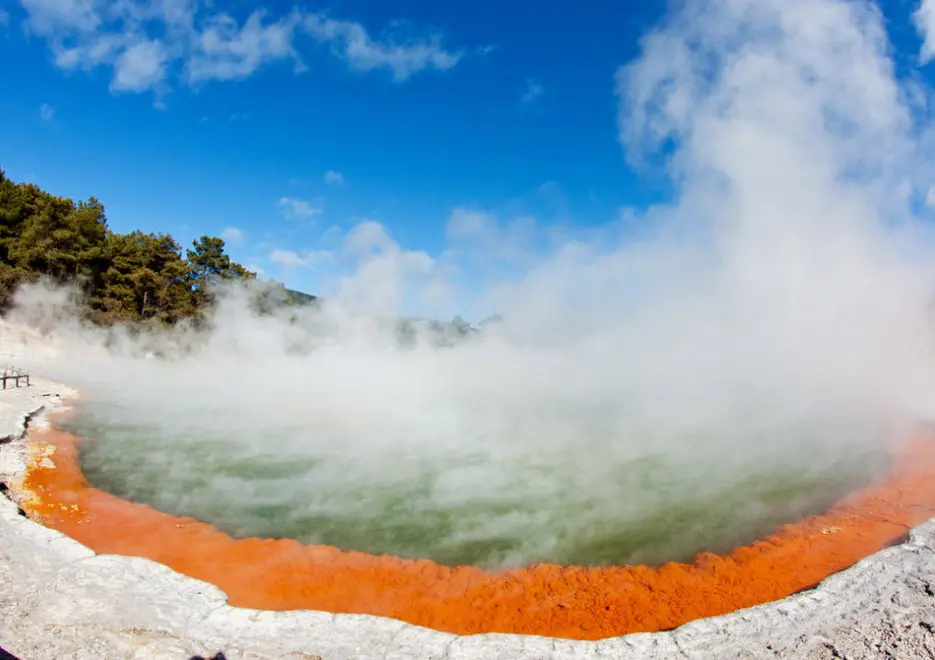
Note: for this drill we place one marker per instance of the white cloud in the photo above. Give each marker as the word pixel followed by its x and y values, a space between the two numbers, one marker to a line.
pixel 232 235
pixel 226 51
pixel 87 55
pixel 140 67
pixel 532 92
pixel 403 56
pixel 51 17
pixel 4 18
pixel 334 178
pixel 146 44
pixel 287 258
pixel 464 222
pixel 924 20
pixel 292 259
pixel 293 207
pixel 47 112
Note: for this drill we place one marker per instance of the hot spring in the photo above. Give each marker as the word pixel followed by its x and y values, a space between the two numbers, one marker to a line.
pixel 540 485
pixel 580 480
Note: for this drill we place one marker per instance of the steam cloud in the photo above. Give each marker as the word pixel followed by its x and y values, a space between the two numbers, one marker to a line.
pixel 776 315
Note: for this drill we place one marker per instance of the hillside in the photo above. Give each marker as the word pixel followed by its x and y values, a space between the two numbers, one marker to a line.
pixel 299 298
pixel 135 277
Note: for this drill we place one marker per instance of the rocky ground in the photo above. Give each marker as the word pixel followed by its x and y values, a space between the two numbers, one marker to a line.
pixel 58 599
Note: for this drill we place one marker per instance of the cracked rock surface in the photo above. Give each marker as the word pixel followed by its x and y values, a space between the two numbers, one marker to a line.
pixel 58 599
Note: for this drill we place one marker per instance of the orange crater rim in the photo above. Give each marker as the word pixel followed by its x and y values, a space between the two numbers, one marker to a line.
pixel 548 600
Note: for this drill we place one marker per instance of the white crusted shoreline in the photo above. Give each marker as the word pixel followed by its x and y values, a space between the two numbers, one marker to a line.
pixel 58 599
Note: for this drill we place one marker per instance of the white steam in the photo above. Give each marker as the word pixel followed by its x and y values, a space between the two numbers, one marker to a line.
pixel 776 316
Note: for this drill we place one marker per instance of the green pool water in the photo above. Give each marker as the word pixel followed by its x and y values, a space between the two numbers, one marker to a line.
pixel 495 502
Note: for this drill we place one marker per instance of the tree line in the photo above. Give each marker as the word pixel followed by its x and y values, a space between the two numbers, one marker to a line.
pixel 132 278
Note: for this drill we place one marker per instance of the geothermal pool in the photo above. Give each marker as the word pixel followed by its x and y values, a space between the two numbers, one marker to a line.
pixel 496 501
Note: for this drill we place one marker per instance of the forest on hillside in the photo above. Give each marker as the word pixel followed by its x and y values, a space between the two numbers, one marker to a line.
pixel 139 279
pixel 118 278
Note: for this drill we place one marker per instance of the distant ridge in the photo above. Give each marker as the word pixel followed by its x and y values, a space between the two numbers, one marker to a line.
pixel 300 298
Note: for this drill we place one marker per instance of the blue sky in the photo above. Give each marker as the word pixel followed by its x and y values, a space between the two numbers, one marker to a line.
pixel 285 128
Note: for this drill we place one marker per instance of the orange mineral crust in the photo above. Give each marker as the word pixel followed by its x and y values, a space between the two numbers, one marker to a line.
pixel 556 601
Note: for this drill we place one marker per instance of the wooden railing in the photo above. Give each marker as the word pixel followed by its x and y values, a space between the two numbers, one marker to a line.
pixel 15 375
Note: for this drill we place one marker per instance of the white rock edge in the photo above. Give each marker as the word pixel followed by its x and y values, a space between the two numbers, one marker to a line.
pixel 58 599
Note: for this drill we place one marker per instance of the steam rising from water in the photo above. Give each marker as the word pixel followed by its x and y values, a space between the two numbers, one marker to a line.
pixel 775 319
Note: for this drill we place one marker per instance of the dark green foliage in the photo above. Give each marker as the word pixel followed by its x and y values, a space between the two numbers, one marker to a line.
pixel 209 265
pixel 133 277
pixel 146 278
